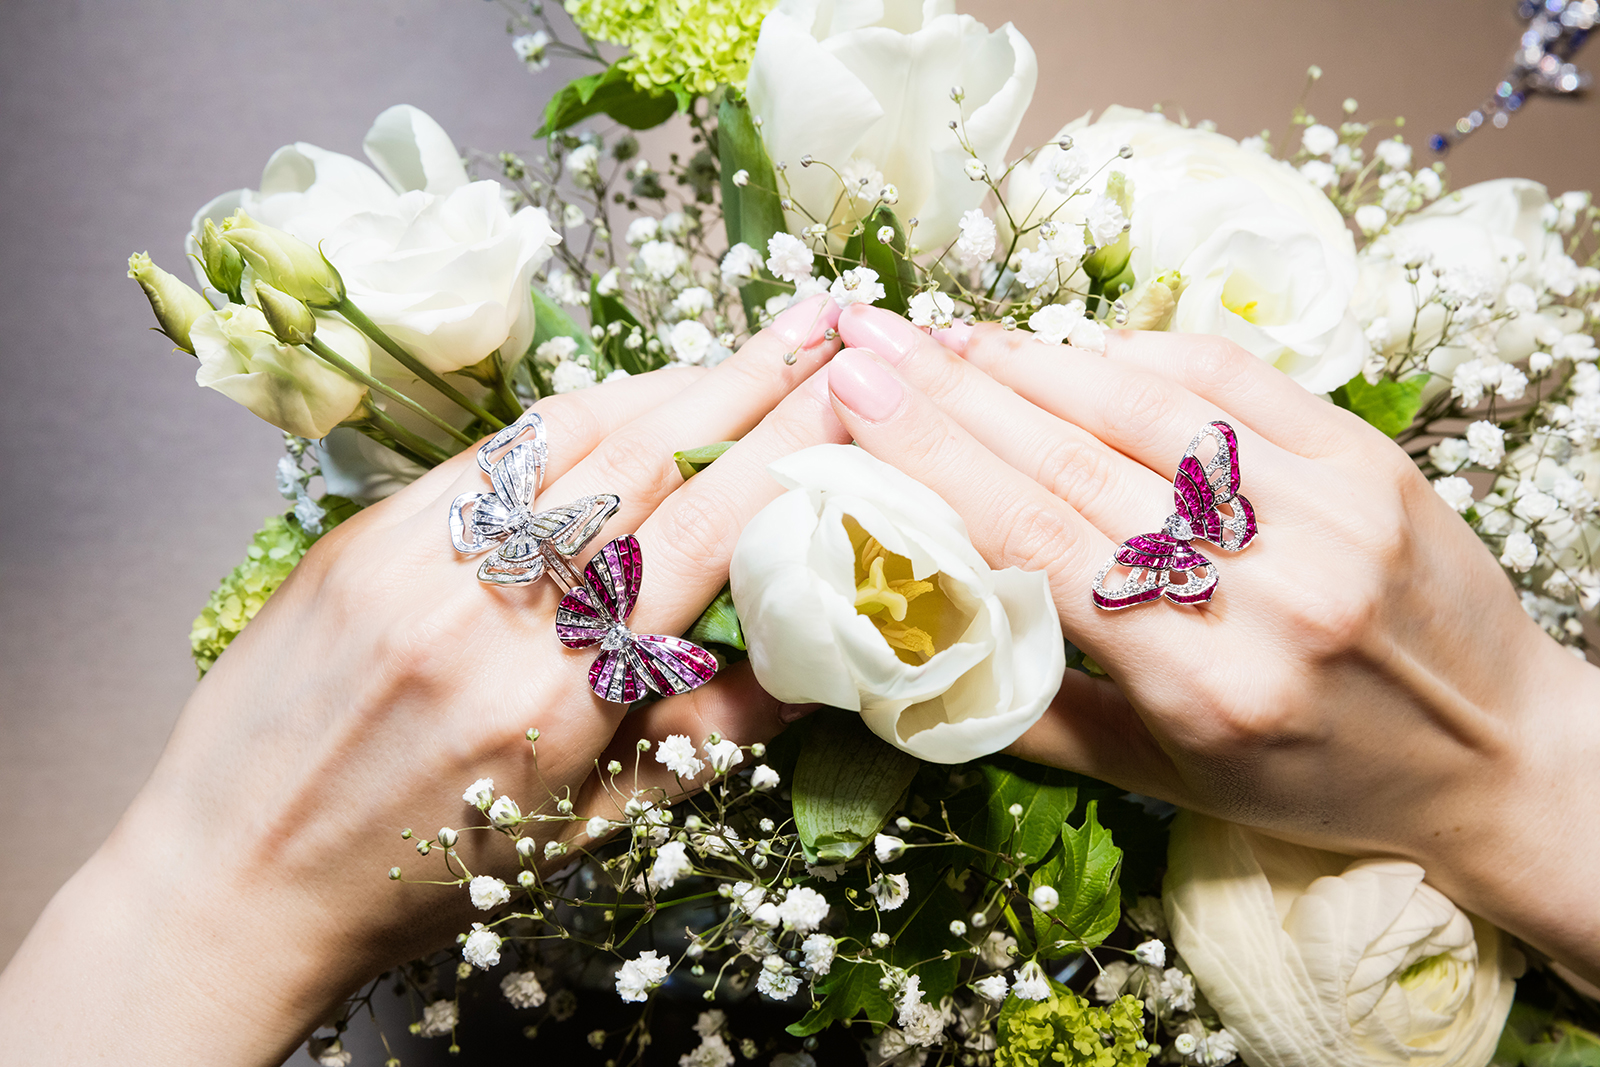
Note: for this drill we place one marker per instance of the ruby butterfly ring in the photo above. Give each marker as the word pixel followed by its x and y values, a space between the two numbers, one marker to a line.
pixel 523 544
pixel 1208 507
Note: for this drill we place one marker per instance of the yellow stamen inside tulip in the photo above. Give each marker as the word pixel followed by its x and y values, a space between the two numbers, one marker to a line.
pixel 907 611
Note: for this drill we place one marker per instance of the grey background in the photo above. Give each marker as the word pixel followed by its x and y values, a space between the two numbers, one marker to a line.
pixel 128 491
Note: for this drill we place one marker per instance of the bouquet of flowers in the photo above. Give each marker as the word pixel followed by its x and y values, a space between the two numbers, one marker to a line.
pixel 878 866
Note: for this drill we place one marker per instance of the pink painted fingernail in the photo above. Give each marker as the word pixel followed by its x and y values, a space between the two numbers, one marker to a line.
pixel 955 337
pixel 887 334
pixel 808 322
pixel 864 385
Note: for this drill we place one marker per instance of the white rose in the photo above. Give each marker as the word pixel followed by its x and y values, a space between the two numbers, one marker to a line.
pixel 991 652
pixel 1491 233
pixel 1316 960
pixel 284 384
pixel 435 260
pixel 859 84
pixel 1265 257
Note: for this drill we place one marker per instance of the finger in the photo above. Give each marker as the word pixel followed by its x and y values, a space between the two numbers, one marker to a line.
pixel 1265 398
pixel 1012 520
pixel 1110 490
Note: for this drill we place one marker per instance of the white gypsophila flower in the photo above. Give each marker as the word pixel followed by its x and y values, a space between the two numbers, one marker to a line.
pixel 1062 169
pixel 309 514
pixel 1146 915
pixel 522 989
pixel 997 950
pixel 530 48
pixel 1045 898
pixel 932 309
pixel 672 863
pixel 1520 553
pixel 439 1018
pixel 1578 347
pixel 583 160
pixel 1151 953
pixel 777 984
pixel 822 578
pixel 597 827
pixel 610 283
pixel 710 1022
pixel 1532 503
pixel 291 478
pixel 1216 1049
pixel 690 341
pixel 739 265
pixel 975 170
pixel 713 1051
pixel 993 988
pixel 1455 491
pixel 818 951
pixel 662 259
pixel 862 180
pixel 1185 1044
pixel 767 915
pixel 693 302
pixel 504 812
pixel 1105 220
pixel 1313 959
pixel 1031 983
pixel 803 909
pixel 480 793
pixel 1257 144
pixel 676 753
pixel 747 897
pixel 1035 267
pixel 1513 383
pixel 1394 154
pixel 1371 218
pixel 889 891
pixel 1111 980
pixel 1319 173
pixel 616 375
pixel 1088 335
pixel 723 755
pixel 488 892
pixel 1486 444
pixel 675 224
pixel 764 778
pixel 642 229
pixel 553 351
pixel 741 178
pixel 977 241
pixel 922 1023
pixel 1175 990
pixel 1520 298
pixel 331 1054
pixel 858 285
pixel 482 947
pixel 1054 322
pixel 570 376
pixel 788 257
pixel 563 288
pixel 635 978
pixel 887 847
pixel 1319 140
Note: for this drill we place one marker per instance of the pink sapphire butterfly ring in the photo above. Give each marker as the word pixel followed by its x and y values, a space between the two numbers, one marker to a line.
pixel 1207 507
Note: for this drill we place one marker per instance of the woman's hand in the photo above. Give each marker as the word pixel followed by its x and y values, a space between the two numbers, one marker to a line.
pixel 245 892
pixel 1364 680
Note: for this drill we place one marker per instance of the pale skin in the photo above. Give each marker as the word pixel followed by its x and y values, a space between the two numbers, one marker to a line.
pixel 1365 679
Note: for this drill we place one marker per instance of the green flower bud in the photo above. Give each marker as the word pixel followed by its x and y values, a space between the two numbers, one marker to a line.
pixel 1110 261
pixel 284 261
pixel 176 305
pixel 289 319
pixel 1150 305
pixel 223 264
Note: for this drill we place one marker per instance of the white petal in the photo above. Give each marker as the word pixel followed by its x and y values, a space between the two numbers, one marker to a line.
pixel 412 151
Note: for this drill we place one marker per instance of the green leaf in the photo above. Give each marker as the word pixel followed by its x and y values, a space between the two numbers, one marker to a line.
pixel 1389 405
pixel 692 461
pixel 751 213
pixel 847 783
pixel 849 989
pixel 719 624
pixel 550 320
pixel 1084 873
pixel 613 353
pixel 899 281
pixel 1046 796
pixel 612 93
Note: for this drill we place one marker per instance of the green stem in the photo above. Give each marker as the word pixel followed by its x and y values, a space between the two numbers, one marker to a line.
pixel 360 321
pixel 391 435
pixel 357 374
pixel 502 388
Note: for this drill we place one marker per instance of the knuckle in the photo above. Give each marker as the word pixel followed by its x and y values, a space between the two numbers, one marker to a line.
pixel 1141 402
pixel 573 416
pixel 695 528
pixel 1037 535
pixel 1214 361
pixel 634 469
pixel 1071 469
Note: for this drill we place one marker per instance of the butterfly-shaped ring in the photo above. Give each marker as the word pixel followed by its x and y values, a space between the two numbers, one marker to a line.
pixel 596 613
pixel 1201 491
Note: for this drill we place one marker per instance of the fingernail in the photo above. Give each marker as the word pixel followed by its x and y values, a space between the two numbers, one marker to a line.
pixel 955 337
pixel 887 334
pixel 788 713
pixel 864 385
pixel 808 322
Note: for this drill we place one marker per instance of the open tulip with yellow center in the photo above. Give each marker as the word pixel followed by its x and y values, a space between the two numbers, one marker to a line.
pixel 859 588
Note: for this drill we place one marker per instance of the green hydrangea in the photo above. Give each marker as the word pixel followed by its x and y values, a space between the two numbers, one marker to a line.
pixel 1067 1030
pixel 275 549
pixel 695 44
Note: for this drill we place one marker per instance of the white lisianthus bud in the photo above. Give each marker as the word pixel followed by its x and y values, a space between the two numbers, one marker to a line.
pixel 284 261
pixel 290 320
pixel 176 305
pixel 222 263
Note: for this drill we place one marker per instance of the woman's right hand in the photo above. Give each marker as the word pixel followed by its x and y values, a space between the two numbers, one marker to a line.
pixel 244 892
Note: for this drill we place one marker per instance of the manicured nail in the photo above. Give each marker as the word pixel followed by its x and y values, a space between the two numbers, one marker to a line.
pixel 788 713
pixel 864 385
pixel 808 322
pixel 955 337
pixel 887 334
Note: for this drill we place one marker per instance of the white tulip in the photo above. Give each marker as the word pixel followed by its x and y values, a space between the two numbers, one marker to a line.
pixel 434 259
pixel 860 588
pixel 1317 960
pixel 864 87
pixel 284 384
pixel 1265 258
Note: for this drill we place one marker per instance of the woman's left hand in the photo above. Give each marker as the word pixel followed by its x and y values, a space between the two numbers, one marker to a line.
pixel 1365 679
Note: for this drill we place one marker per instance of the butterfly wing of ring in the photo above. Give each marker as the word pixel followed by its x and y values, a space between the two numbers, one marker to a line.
pixel 519 559
pixel 1202 491
pixel 1152 559
pixel 479 521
